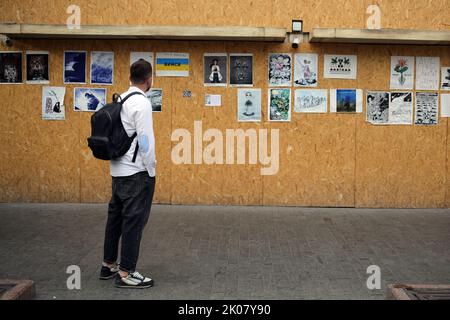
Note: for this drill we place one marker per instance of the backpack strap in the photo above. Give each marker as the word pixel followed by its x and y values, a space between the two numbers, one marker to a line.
pixel 122 101
pixel 137 147
pixel 116 97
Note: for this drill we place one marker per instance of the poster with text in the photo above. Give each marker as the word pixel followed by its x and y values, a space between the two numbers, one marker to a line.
pixel 249 105
pixel 37 67
pixel 10 67
pixel 280 69
pixel 427 111
pixel 215 69
pixel 53 103
pixel 306 70
pixel 102 67
pixel 402 73
pixel 279 105
pixel 401 108
pixel 428 71
pixel 241 69
pixel 172 64
pixel 311 101
pixel 340 66
pixel 74 67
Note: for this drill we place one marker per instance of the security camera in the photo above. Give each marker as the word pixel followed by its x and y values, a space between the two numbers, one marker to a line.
pixel 296 43
pixel 7 41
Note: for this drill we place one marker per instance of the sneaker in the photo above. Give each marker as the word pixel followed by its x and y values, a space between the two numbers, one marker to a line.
pixel 134 280
pixel 107 273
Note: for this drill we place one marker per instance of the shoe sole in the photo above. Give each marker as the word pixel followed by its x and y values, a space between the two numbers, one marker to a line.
pixel 133 287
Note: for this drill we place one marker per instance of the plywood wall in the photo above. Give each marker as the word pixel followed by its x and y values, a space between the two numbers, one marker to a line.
pixel 325 160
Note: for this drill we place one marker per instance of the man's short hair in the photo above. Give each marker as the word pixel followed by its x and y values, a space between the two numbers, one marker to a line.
pixel 140 71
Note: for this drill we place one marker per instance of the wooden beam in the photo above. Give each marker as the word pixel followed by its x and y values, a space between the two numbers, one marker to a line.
pixel 32 31
pixel 383 36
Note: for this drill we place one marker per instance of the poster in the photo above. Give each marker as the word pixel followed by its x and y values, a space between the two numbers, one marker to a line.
pixel 249 105
pixel 340 66
pixel 427 108
pixel 306 70
pixel 279 105
pixel 280 69
pixel 377 105
pixel 427 73
pixel 445 105
pixel 102 67
pixel 37 67
pixel 215 68
pixel 401 108
pixel 172 64
pixel 402 73
pixel 10 67
pixel 156 97
pixel 147 56
pixel 346 101
pixel 74 67
pixel 241 69
pixel 53 103
pixel 311 101
pixel 88 99
pixel 445 76
pixel 213 100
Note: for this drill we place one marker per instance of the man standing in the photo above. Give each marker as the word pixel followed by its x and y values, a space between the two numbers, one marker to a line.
pixel 133 184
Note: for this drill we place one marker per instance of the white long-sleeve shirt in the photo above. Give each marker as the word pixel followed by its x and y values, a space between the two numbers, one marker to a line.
pixel 136 117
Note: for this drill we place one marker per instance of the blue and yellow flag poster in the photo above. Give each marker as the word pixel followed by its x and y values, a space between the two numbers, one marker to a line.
pixel 172 64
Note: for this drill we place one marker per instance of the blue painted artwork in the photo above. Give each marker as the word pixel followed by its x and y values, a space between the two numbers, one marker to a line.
pixel 89 99
pixel 102 67
pixel 75 67
pixel 346 100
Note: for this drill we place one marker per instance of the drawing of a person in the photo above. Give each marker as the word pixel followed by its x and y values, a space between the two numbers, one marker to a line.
pixel 249 105
pixel 215 76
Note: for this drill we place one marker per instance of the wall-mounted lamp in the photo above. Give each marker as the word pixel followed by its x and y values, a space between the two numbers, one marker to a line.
pixel 297 26
pixel 297 33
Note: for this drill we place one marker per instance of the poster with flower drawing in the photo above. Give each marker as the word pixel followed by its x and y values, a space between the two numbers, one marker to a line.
pixel 402 73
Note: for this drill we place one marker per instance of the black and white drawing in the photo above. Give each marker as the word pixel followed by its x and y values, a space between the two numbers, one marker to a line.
pixel 156 97
pixel 215 69
pixel 102 67
pixel 427 108
pixel 241 69
pixel 401 108
pixel 445 76
pixel 280 69
pixel 53 103
pixel 377 104
pixel 10 67
pixel 37 67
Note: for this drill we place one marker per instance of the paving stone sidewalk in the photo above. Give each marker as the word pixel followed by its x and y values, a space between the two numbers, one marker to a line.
pixel 196 252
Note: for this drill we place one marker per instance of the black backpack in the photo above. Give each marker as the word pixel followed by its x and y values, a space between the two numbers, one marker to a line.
pixel 109 140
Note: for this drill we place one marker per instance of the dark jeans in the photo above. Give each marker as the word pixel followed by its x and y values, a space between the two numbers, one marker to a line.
pixel 128 213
